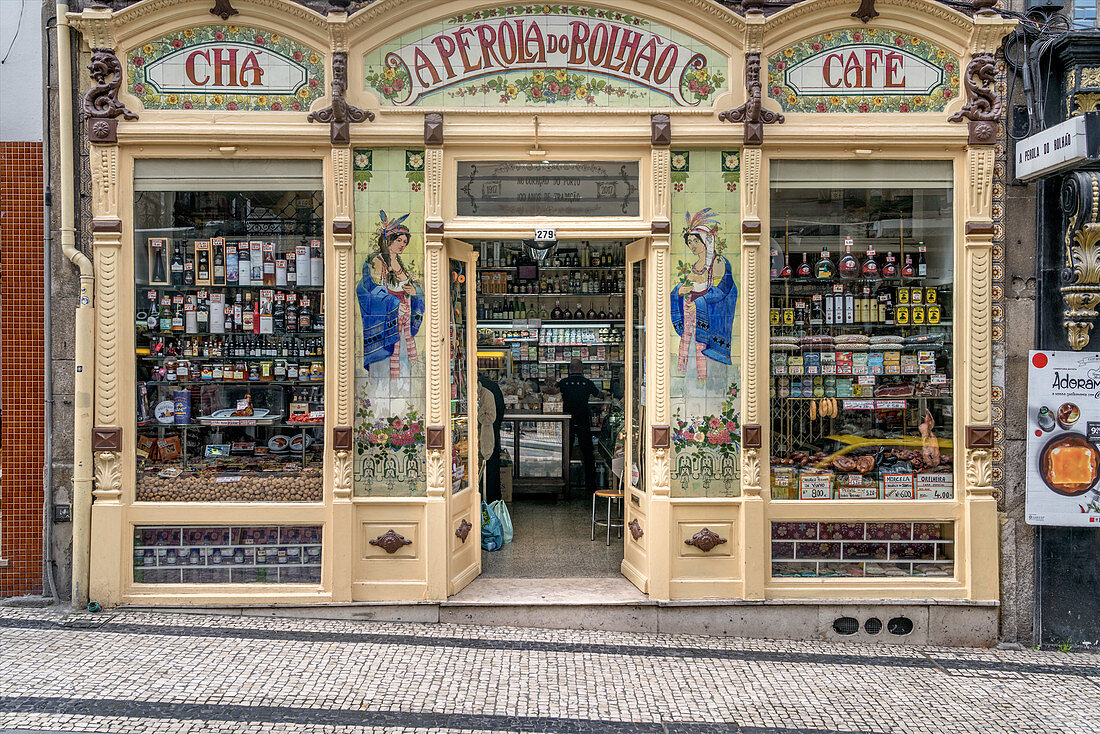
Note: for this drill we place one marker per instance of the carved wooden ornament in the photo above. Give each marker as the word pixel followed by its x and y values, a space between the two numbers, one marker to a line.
pixel 339 115
pixel 1081 274
pixel 463 530
pixel 982 110
pixel 101 104
pixel 705 540
pixel 391 542
pixel 752 113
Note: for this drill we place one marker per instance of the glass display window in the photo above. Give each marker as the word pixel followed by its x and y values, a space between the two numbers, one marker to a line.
pixel 229 331
pixel 863 549
pixel 861 347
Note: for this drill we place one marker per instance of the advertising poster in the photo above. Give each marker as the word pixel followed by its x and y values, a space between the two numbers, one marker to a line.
pixel 1063 435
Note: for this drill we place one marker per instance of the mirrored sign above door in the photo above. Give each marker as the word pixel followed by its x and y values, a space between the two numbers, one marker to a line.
pixel 548 189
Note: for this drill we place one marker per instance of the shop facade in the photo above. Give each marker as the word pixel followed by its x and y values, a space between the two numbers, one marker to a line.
pixel 292 212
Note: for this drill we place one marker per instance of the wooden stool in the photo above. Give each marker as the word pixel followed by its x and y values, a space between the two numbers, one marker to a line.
pixel 611 495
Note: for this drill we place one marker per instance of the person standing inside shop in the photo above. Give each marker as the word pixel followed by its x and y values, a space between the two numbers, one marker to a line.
pixel 576 389
pixel 492 463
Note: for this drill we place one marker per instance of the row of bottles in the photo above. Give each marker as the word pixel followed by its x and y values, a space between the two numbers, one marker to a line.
pixel 517 309
pixel 214 312
pixel 271 370
pixel 849 267
pixel 575 282
pixel 503 255
pixel 217 347
pixel 215 262
pixel 859 305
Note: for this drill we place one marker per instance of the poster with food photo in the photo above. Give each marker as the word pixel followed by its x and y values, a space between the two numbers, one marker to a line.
pixel 1063 439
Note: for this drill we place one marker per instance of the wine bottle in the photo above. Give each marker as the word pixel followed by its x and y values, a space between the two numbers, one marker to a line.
pixel 825 268
pixel 907 270
pixel 177 267
pixel 848 267
pixel 804 270
pixel 578 314
pixel 922 264
pixel 556 312
pixel 786 271
pixel 869 269
pixel 890 267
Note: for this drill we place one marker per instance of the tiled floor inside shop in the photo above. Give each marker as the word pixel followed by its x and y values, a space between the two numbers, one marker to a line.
pixel 553 540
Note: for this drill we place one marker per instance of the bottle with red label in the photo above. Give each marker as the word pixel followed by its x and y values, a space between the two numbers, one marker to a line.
pixel 804 270
pixel 890 267
pixel 848 267
pixel 907 270
pixel 869 269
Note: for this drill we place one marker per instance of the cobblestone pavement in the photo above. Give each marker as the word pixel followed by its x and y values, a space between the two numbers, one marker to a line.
pixel 128 671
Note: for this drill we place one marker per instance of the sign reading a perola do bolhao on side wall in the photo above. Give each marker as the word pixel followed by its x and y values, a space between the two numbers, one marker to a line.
pixel 543 55
pixel 863 70
pixel 225 68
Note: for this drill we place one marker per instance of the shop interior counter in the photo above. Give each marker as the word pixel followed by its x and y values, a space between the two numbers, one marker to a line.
pixel 539 443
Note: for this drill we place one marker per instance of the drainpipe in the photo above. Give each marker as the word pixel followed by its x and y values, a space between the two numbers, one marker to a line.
pixel 85 322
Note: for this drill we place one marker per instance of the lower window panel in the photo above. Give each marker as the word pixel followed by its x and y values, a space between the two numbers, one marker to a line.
pixel 239 554
pixel 863 549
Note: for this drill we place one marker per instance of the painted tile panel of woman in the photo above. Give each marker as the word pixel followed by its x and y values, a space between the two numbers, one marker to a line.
pixel 705 302
pixel 391 301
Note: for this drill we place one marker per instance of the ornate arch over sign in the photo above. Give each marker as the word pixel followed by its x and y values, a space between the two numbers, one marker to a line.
pixel 863 70
pixel 546 55
pixel 225 68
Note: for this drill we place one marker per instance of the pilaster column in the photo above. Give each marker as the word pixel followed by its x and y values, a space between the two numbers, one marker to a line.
pixel 658 381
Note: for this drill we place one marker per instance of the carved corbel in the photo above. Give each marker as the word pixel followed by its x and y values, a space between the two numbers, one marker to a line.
pixel 101 103
pixel 866 11
pixel 339 115
pixel 982 110
pixel 1081 266
pixel 223 9
pixel 752 113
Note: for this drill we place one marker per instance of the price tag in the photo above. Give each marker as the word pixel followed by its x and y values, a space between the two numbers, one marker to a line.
pixel 151 295
pixel 838 288
pixel 859 493
pixel 935 487
pixel 222 480
pixel 817 297
pixel 938 379
pixel 890 404
pixel 177 300
pixel 815 487
pixel 546 235
pixel 866 379
pixel 316 414
pixel 897 486
pixel 859 404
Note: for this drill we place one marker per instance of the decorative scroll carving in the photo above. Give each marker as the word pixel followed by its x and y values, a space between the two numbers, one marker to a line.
pixel 751 159
pixel 750 468
pixel 341 171
pixel 103 166
pixel 391 541
pixel 101 104
pixel 979 355
pixel 660 252
pixel 437 469
pixel 223 9
pixel 983 105
pixel 636 531
pixel 1081 268
pixel 437 313
pixel 752 113
pixel 705 540
pixel 661 163
pixel 979 468
pixel 339 115
pixel 433 179
pixel 866 11
pixel 342 471
pixel 662 473
pixel 463 530
pixel 107 330
pixel 108 474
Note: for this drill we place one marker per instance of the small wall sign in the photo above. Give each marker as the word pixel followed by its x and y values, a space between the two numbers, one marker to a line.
pixel 1058 147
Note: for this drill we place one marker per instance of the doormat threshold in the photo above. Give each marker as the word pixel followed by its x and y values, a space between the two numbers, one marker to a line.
pixel 602 591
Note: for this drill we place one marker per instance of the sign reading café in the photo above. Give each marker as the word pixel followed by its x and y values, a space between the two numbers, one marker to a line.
pixel 546 55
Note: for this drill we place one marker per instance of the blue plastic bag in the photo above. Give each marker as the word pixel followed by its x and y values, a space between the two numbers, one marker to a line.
pixel 505 518
pixel 492 535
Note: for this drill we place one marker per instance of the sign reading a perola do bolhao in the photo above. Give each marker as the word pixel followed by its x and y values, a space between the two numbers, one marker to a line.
pixel 863 70
pixel 544 55
pixel 225 68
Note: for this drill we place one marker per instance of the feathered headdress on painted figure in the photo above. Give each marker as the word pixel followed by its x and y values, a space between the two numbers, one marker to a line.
pixel 703 224
pixel 390 228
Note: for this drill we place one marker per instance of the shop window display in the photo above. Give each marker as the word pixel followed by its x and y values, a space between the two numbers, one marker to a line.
pixel 702 303
pixel 271 554
pixel 229 341
pixel 861 351
pixel 390 363
pixel 858 549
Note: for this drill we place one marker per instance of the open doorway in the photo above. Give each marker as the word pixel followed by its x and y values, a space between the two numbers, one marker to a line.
pixel 553 349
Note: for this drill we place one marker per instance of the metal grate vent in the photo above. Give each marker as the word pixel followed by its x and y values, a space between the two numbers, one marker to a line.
pixel 872 626
pixel 846 625
pixel 900 626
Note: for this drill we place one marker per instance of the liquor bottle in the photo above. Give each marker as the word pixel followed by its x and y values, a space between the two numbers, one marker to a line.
pixel 244 265
pixel 202 317
pixel 153 318
pixel 578 314
pixel 817 313
pixel 890 267
pixel 203 266
pixel 773 271
pixel 305 317
pixel 291 270
pixel 280 272
pixel 156 248
pixel 786 271
pixel 590 314
pixel 869 268
pixel 219 265
pixel 268 263
pixel 232 274
pixel 907 270
pixel 825 268
pixel 316 264
pixel 256 315
pixel 889 318
pixel 165 316
pixel 922 264
pixel 256 258
pixel 188 270
pixel 246 314
pixel 178 321
pixel 804 270
pixel 291 320
pixel 849 308
pixel 190 317
pixel 177 267
pixel 278 313
pixel 601 315
pixel 848 267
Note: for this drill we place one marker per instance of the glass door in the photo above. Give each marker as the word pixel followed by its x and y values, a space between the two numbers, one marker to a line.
pixel 636 501
pixel 464 497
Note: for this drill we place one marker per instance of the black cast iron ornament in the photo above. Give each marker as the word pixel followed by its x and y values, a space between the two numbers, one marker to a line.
pixel 982 110
pixel 101 104
pixel 223 9
pixel 866 11
pixel 752 113
pixel 339 115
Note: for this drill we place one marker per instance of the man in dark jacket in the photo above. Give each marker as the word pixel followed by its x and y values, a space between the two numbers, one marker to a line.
pixel 575 391
pixel 492 464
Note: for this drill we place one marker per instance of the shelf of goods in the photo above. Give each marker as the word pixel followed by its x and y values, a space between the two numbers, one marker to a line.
pixel 861 388
pixel 544 352
pixel 863 549
pixel 229 347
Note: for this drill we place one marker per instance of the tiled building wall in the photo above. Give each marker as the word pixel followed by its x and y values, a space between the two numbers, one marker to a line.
pixel 21 368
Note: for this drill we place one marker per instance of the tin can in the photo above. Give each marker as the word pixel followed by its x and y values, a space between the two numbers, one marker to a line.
pixel 181 402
